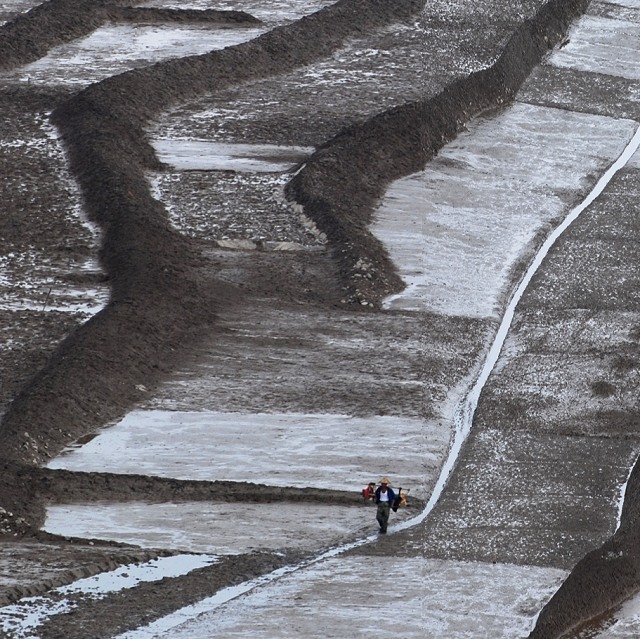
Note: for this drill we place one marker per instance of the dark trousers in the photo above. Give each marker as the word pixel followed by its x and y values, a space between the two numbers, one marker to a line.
pixel 382 516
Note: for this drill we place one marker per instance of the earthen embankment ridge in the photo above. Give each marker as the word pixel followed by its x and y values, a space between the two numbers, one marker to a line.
pixel 34 33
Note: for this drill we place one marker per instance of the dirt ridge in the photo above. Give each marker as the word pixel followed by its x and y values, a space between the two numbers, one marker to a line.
pixel 157 599
pixel 34 33
pixel 148 15
pixel 64 486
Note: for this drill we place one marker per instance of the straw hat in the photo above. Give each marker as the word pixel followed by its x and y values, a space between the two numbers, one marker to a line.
pixel 385 480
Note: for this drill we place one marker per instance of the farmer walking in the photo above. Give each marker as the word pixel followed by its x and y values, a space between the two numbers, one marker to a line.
pixel 384 499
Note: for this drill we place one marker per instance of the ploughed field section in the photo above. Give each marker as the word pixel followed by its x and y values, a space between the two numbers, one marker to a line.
pixel 248 302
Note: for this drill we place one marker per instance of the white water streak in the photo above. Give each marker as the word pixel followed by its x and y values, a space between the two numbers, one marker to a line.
pixel 623 494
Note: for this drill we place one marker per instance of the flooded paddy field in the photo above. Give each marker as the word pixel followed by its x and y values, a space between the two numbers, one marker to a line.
pixel 260 254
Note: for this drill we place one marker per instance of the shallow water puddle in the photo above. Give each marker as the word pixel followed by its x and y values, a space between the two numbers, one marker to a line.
pixel 22 618
pixel 49 286
pixel 323 451
pixel 203 155
pixel 457 230
pixel 423 598
pixel 218 528
pixel 603 45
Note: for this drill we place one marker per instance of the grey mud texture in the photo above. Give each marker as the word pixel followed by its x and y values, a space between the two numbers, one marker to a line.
pixel 162 293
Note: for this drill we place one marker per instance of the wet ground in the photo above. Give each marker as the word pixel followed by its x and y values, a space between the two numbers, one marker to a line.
pixel 304 248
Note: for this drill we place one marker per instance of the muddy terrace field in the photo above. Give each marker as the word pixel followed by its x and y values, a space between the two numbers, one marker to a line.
pixel 257 254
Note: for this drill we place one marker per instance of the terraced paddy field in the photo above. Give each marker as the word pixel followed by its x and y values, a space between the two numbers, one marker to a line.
pixel 258 254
